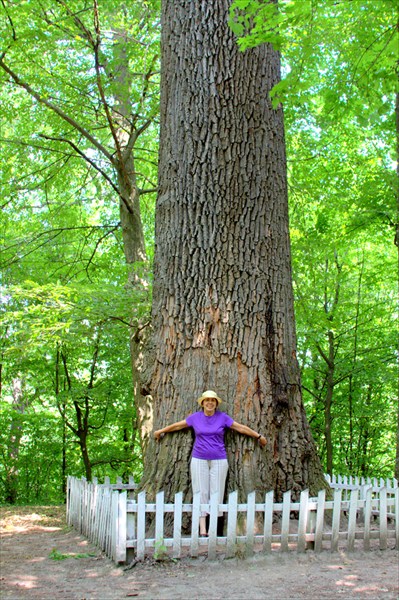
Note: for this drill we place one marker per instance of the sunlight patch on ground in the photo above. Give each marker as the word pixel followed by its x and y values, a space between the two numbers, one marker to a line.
pixel 26 518
pixel 23 529
pixel 370 589
pixel 28 583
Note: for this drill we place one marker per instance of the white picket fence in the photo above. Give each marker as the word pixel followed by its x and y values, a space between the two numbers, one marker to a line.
pixel 113 517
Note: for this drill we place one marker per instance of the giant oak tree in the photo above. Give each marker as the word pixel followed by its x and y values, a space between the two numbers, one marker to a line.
pixel 222 312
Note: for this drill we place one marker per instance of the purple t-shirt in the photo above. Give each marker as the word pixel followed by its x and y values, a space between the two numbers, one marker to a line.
pixel 209 434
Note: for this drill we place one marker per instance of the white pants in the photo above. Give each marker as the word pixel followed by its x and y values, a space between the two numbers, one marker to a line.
pixel 207 478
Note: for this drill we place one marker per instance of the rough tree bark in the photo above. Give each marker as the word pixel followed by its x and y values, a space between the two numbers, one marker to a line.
pixel 126 135
pixel 223 313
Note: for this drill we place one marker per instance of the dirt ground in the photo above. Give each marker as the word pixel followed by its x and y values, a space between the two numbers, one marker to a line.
pixel 42 558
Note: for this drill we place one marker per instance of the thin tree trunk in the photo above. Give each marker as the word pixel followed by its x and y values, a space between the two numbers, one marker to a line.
pixel 129 203
pixel 223 304
pixel 350 461
pixel 19 405
pixel 364 436
pixel 64 458
pixel 85 454
pixel 62 411
pixel 328 403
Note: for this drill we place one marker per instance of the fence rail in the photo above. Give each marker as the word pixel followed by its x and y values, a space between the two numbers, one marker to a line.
pixel 114 517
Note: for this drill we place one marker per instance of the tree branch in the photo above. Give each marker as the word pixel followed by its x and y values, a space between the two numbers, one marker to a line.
pixel 52 235
pixel 14 34
pixel 96 47
pixel 100 239
pixel 149 191
pixel 87 159
pixel 57 110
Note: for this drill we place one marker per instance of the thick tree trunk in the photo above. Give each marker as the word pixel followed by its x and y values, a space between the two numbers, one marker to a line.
pixel 223 313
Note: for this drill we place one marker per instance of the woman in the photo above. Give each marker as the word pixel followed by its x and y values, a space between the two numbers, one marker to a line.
pixel 209 459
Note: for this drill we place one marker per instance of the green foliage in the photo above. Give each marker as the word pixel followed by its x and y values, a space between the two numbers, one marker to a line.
pixel 56 555
pixel 68 72
pixel 38 463
pixel 340 78
pixel 160 551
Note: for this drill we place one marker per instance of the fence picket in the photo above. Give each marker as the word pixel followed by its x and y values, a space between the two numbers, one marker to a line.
pixel 268 522
pixel 321 502
pixel 96 507
pixel 159 520
pixel 285 521
pixel 177 523
pixel 336 519
pixel 232 525
pixel 213 523
pixel 141 525
pixel 107 494
pixel 195 525
pixel 114 524
pixel 121 529
pixel 302 521
pixel 99 509
pixel 367 518
pixel 90 501
pixel 110 530
pixel 352 520
pixel 250 534
pixel 383 518
pixel 104 514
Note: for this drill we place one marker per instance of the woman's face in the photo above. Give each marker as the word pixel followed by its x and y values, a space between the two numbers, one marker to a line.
pixel 209 405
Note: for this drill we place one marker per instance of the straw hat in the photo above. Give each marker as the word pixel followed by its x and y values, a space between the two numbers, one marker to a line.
pixel 209 394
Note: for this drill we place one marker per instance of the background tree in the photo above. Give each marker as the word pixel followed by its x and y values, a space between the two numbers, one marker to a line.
pixel 78 97
pixel 222 302
pixel 97 112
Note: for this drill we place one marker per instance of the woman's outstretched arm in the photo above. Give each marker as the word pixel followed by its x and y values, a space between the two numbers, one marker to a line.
pixel 248 431
pixel 169 428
